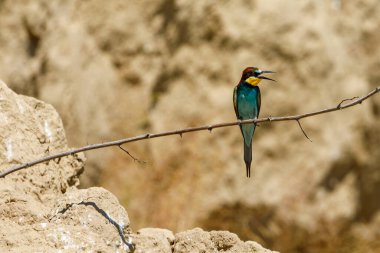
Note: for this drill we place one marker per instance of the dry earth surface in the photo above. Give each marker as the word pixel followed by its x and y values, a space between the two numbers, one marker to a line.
pixel 121 68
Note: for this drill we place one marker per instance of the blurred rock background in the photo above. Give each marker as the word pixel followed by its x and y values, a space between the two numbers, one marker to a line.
pixel 121 68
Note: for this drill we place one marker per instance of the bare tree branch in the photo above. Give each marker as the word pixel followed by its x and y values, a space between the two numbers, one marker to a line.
pixel 180 132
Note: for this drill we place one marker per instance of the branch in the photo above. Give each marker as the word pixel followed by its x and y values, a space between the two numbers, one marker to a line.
pixel 180 132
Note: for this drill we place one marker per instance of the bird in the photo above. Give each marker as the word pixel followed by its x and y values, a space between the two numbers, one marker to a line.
pixel 247 102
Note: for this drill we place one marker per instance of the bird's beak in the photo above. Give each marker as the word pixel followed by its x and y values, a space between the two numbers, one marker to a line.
pixel 264 77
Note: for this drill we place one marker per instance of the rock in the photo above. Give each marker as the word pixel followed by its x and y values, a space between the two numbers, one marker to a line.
pixel 31 128
pixel 40 207
pixel 197 240
pixel 154 240
pixel 165 234
pixel 223 240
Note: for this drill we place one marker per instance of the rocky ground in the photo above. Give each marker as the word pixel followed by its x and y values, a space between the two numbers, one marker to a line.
pixel 121 68
pixel 42 210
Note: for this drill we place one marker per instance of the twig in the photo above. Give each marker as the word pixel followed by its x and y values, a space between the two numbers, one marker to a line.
pixel 187 130
pixel 134 158
pixel 344 100
pixel 303 131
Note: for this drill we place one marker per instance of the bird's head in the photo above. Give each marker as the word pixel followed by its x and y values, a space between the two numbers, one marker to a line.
pixel 253 76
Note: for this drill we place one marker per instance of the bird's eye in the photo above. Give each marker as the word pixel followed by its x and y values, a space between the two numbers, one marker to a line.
pixel 256 72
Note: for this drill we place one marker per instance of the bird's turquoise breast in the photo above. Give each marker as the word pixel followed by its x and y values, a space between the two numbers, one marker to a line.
pixel 247 102
pixel 248 108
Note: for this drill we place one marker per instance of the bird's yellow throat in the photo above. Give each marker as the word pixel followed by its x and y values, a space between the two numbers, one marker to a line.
pixel 254 81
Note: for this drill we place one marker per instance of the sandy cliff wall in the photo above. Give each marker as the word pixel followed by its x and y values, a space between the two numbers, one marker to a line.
pixel 123 68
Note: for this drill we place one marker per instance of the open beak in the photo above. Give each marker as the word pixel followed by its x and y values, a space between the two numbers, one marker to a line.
pixel 264 77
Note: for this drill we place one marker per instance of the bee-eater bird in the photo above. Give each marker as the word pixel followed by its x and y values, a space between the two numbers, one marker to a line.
pixel 247 102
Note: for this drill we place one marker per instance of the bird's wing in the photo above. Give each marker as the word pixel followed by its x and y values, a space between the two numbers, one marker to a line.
pixel 235 101
pixel 258 102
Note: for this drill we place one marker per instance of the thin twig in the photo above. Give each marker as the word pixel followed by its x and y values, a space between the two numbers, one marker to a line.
pixel 303 131
pixel 344 100
pixel 186 130
pixel 134 158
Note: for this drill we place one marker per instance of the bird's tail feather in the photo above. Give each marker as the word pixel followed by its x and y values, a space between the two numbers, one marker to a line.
pixel 248 158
